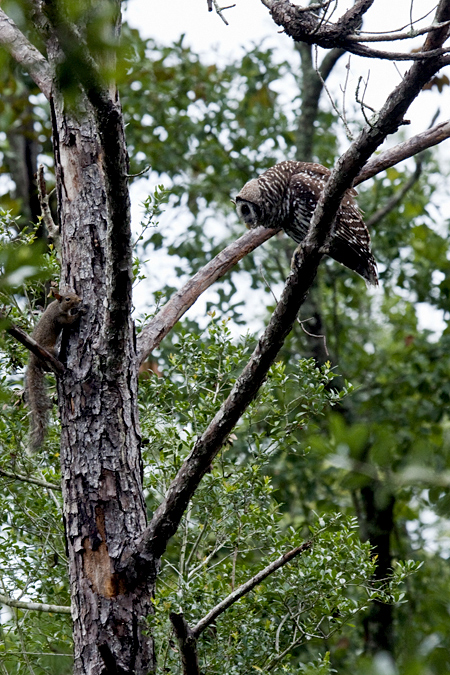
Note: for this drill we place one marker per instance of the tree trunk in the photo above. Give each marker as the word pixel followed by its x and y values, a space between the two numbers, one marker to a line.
pixel 104 506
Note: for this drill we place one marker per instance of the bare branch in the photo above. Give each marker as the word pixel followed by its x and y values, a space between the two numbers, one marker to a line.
pixel 155 331
pixel 307 27
pixel 392 37
pixel 31 344
pixel 247 587
pixel 34 606
pixel 26 54
pixel 163 322
pixel 28 479
pixel 402 151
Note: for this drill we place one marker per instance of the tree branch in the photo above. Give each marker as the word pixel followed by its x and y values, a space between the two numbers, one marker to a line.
pixel 140 559
pixel 26 54
pixel 247 587
pixel 27 479
pixel 187 643
pixel 173 310
pixel 34 606
pixel 187 637
pixel 306 26
pixel 31 344
pixel 423 141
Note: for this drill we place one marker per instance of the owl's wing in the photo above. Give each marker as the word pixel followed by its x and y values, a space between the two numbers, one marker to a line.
pixel 304 191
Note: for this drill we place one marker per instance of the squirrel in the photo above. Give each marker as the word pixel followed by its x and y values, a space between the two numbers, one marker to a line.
pixel 65 310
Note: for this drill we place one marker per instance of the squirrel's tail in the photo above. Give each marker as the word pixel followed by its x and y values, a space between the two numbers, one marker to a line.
pixel 38 402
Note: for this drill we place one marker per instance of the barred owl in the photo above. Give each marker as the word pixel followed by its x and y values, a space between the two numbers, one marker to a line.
pixel 286 196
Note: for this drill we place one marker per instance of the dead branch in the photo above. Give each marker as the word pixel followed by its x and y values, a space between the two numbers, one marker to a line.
pixel 26 54
pixel 308 27
pixel 161 324
pixel 423 141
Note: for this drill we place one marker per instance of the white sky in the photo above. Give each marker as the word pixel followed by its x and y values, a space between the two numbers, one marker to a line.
pixel 249 23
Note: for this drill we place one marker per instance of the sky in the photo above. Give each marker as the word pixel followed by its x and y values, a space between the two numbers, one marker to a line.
pixel 249 22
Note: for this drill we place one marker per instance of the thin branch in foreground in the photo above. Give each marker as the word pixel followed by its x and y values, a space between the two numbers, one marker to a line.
pixel 25 53
pixel 27 479
pixel 247 587
pixel 34 606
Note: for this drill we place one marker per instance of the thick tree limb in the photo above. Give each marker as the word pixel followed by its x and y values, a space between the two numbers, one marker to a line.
pixel 26 54
pixel 141 559
pixel 34 606
pixel 310 28
pixel 31 344
pixel 163 322
pixel 28 479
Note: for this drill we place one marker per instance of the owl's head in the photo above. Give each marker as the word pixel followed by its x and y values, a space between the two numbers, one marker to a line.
pixel 248 204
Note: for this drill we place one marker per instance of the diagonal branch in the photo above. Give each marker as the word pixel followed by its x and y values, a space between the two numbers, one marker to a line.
pixel 31 344
pixel 423 141
pixel 247 587
pixel 163 322
pixel 187 637
pixel 25 53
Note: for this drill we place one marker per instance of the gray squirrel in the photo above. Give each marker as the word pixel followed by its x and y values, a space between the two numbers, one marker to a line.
pixel 64 311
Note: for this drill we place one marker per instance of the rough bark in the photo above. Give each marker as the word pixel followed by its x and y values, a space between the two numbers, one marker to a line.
pixel 100 441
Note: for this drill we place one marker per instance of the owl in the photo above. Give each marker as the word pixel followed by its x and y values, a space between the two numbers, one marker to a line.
pixel 286 195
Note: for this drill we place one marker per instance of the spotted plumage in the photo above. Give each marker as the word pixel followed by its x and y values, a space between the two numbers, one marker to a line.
pixel 286 196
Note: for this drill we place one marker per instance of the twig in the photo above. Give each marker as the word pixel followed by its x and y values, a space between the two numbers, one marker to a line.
pixel 219 10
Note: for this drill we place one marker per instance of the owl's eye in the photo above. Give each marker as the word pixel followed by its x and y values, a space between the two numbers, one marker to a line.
pixel 245 210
